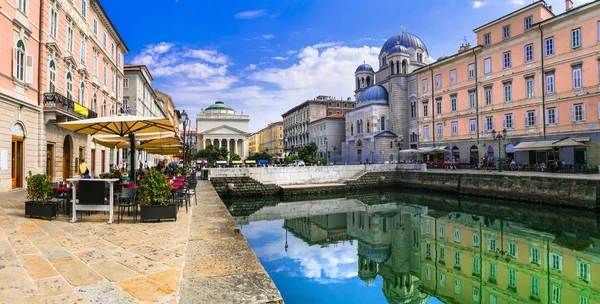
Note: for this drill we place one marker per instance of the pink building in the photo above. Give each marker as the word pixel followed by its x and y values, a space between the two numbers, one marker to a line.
pixel 60 60
pixel 534 74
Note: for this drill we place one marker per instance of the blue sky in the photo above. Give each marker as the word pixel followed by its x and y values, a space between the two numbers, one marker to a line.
pixel 264 57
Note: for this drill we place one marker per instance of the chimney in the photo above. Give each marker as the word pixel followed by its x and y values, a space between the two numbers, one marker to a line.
pixel 464 47
pixel 568 5
pixel 550 8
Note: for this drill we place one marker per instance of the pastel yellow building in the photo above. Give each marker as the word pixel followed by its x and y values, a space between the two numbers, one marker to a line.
pixel 269 140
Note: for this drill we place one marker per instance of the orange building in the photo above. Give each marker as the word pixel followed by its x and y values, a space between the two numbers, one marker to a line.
pixel 534 74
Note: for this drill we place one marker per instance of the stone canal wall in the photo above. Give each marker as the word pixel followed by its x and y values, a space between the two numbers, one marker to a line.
pixel 557 190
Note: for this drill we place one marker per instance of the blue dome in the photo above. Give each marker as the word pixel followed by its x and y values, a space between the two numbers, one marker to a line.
pixel 406 40
pixel 374 93
pixel 364 67
pixel 398 49
pixel 442 58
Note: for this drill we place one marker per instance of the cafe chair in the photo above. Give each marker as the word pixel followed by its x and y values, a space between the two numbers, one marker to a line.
pixel 127 201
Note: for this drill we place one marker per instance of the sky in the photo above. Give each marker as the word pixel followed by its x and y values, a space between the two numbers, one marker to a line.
pixel 264 57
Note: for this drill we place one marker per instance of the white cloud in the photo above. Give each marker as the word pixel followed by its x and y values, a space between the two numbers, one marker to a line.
pixel 149 56
pixel 280 58
pixel 250 14
pixel 251 67
pixel 210 56
pixel 478 4
pixel 291 52
pixel 326 45
pixel 268 36
pixel 516 2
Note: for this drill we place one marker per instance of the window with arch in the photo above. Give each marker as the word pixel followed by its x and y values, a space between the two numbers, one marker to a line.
pixel 397 67
pixel 419 57
pixel 413 109
pixel 20 60
pixel 69 85
pixel 357 83
pixel 95 102
pixel 382 123
pixel 351 128
pixel 22 6
pixel 362 82
pixel 404 67
pixel 391 144
pixel 392 67
pixel 104 107
pixel 82 93
pixel 52 77
pixel 368 126
pixel 368 83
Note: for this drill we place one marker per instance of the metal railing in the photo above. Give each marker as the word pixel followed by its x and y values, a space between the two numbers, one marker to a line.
pixel 57 101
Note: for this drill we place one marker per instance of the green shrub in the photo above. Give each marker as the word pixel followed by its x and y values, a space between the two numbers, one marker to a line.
pixel 154 189
pixel 39 187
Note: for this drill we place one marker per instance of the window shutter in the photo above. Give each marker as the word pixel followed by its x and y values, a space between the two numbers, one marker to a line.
pixel 556 116
pixel 504 122
pixel 583 112
pixel 526 120
pixel 493 123
pixel 535 118
pixel 547 116
pixel 29 70
pixel 572 113
pixel 14 63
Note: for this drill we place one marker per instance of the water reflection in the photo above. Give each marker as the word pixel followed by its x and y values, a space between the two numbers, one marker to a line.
pixel 415 248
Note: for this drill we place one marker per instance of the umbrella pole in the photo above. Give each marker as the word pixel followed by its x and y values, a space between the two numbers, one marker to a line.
pixel 132 160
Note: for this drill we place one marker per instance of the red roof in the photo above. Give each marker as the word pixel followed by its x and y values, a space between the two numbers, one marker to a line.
pixel 336 116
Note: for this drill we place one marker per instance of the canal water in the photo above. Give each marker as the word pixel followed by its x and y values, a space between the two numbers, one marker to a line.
pixel 399 247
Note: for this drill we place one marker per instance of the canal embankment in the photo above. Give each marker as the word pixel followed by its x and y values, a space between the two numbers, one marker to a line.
pixel 220 266
pixel 567 190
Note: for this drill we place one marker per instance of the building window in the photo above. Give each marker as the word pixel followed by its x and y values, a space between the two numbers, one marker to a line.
pixel 453 103
pixel 70 38
pixel 382 123
pixel 22 5
pixel 425 110
pixel 438 81
pixel 555 261
pixel 549 45
pixel 583 270
pixel 513 250
pixel 507 92
pixel 427 227
pixel 442 254
pixel 425 131
pixel 413 109
pixel 473 130
pixel 577 83
pixel 493 272
pixel 95 26
pixel 472 100
pixel 69 85
pixel 454 128
pixel 488 96
pixel 528 23
pixel 512 278
pixel 104 72
pixel 428 250
pixel 506 59
pixel 84 8
pixel 530 118
pixel 52 77
pixel 457 259
pixel 439 131
pixel 492 244
pixel 20 61
pixel 441 232
pixel 583 299
pixel 95 64
pixel 550 88
pixel 104 39
pixel 126 83
pixel 529 87
pixel 551 116
pixel 112 49
pixel 534 255
pixel 506 32
pixel 471 70
pixel 425 85
pixel 487 39
pixel 509 121
pixel 82 50
pixel 456 286
pixel 456 234
pixel 535 287
pixel 529 53
pixel 576 38
pixel 453 77
pixel 487 65
pixel 476 266
pixel 489 123
pixel 428 273
pixel 578 112
pixel 53 22
pixel 438 106
pixel 443 280
pixel 555 294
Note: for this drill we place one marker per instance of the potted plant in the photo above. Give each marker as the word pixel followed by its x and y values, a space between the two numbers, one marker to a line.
pixel 39 189
pixel 153 193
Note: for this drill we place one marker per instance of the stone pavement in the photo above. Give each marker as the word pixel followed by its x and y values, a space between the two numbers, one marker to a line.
pixel 90 261
pixel 220 266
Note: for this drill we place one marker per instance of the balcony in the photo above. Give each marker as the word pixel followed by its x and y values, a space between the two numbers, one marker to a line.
pixel 61 108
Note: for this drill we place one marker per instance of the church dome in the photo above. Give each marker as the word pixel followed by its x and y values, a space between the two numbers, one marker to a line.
pixel 374 93
pixel 406 40
pixel 378 254
pixel 398 49
pixel 219 105
pixel 364 67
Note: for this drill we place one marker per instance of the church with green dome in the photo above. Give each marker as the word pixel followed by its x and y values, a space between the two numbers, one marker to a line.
pixel 221 126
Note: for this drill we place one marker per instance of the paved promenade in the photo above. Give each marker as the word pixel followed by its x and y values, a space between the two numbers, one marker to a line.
pixel 520 173
pixel 90 261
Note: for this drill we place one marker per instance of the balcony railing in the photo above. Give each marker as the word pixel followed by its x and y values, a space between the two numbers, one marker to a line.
pixel 55 101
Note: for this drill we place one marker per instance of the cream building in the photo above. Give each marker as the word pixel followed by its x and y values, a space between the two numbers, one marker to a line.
pixel 221 126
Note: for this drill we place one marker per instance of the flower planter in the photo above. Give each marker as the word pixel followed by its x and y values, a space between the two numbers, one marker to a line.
pixel 35 209
pixel 158 213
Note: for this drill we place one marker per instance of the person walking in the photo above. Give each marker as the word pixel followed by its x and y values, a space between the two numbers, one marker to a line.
pixel 84 171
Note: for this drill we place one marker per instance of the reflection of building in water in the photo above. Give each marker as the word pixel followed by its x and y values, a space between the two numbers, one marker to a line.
pixel 475 259
pixel 388 245
pixel 319 229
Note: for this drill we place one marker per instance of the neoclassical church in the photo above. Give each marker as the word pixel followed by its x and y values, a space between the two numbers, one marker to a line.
pixel 385 118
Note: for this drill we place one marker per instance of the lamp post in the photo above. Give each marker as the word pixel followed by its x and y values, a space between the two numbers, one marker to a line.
pixel 499 136
pixel 184 121
pixel 326 151
pixel 334 155
pixel 400 143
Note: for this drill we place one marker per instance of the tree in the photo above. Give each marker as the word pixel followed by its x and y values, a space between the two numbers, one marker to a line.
pixel 260 155
pixel 307 151
pixel 235 157
pixel 212 154
pixel 290 158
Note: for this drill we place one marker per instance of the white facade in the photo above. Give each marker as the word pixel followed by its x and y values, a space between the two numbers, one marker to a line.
pixel 220 126
pixel 329 134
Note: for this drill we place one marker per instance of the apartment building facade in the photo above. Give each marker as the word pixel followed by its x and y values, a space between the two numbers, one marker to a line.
pixel 329 133
pixel 534 74
pixel 296 120
pixel 138 96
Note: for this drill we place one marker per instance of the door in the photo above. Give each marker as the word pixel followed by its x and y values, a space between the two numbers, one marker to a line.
pixel 580 157
pixel 17 162
pixel 93 162
pixel 50 161
pixel 66 165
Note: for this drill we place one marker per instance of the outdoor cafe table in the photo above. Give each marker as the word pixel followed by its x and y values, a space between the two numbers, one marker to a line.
pixel 86 207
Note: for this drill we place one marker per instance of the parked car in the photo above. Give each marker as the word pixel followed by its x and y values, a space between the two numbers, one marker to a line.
pixel 297 163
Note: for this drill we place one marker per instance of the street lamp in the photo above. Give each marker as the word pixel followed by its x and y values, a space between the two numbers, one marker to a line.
pixel 184 121
pixel 334 155
pixel 499 136
pixel 326 151
pixel 400 143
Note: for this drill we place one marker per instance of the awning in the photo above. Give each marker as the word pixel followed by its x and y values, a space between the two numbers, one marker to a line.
pixel 236 162
pixel 568 143
pixel 81 110
pixel 582 139
pixel 250 161
pixel 540 145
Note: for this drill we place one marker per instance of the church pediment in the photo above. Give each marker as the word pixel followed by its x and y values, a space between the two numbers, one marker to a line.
pixel 225 130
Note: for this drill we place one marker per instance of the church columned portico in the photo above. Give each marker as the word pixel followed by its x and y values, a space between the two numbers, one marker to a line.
pixel 220 126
